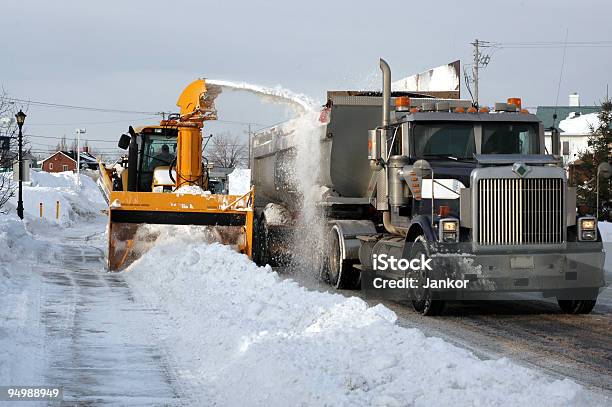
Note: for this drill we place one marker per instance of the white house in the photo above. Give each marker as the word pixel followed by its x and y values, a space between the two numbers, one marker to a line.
pixel 574 123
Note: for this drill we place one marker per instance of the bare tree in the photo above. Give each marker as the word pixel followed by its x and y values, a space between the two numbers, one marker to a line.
pixel 74 146
pixel 227 151
pixel 62 145
pixel 8 147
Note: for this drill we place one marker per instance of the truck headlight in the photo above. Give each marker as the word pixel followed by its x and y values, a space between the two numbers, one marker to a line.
pixel 448 230
pixel 587 228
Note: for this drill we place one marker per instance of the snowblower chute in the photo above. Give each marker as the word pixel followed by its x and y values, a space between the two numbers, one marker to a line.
pixel 165 180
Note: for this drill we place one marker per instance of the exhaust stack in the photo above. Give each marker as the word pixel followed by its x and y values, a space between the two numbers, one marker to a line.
pixel 381 135
pixel 386 94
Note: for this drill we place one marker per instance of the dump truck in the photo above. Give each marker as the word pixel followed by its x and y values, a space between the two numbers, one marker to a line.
pixel 408 174
pixel 165 180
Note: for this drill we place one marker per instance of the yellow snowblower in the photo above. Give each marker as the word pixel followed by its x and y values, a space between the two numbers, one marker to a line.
pixel 165 180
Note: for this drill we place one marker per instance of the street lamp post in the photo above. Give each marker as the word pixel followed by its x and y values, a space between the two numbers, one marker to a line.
pixel 20 120
pixel 78 153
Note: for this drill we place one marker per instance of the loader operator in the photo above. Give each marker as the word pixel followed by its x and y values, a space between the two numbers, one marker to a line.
pixel 164 158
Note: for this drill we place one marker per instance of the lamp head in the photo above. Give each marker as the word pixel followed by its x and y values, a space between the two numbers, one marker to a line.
pixel 20 118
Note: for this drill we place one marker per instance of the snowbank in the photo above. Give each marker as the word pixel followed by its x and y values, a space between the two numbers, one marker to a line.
pixel 239 181
pixel 605 228
pixel 245 334
pixel 75 202
pixel 19 331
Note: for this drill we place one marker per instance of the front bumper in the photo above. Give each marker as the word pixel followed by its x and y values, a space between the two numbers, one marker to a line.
pixel 549 273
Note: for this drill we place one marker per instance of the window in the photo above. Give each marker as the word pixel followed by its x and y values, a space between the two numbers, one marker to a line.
pixel 444 139
pixel 159 151
pixel 50 166
pixel 509 138
pixel 566 149
pixel 65 168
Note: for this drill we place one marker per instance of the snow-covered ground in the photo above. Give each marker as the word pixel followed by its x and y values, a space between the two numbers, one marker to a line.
pixel 199 321
pixel 75 201
pixel 242 333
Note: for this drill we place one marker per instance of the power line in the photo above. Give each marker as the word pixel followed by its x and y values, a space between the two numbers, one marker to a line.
pixel 106 110
pixel 88 123
pixel 76 107
pixel 60 138
pixel 554 44
pixel 560 77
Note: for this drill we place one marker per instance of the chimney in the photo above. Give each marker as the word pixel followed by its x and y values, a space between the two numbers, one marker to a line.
pixel 574 100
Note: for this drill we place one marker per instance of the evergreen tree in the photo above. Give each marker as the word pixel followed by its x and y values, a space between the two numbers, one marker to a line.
pixel 600 150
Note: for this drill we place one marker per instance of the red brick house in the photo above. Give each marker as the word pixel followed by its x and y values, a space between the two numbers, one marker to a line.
pixel 59 162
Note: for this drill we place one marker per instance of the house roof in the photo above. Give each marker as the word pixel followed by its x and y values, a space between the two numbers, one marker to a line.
pixel 66 153
pixel 72 155
pixel 545 113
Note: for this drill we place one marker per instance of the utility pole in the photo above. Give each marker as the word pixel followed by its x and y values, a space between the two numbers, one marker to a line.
pixel 475 69
pixel 480 61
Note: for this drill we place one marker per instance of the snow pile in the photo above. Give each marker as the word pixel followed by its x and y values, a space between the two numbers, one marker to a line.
pixel 191 190
pixel 22 350
pixel 579 124
pixel 277 94
pixel 16 244
pixel 605 228
pixel 239 181
pixel 49 188
pixel 242 333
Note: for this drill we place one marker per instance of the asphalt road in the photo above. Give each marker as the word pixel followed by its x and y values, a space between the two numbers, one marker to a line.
pixel 531 332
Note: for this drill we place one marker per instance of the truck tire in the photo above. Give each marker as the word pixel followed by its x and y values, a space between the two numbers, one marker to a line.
pixel 261 252
pixel 425 303
pixel 340 273
pixel 577 307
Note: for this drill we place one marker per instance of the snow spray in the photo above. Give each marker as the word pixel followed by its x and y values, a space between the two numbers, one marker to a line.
pixel 306 131
pixel 299 102
pixel 309 236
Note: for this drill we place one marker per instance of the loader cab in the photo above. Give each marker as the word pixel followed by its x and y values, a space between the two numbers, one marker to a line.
pixel 158 149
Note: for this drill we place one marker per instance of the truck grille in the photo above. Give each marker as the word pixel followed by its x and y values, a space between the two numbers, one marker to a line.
pixel 520 211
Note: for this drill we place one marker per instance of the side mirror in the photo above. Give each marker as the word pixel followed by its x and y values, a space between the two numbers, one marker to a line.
pixel 124 142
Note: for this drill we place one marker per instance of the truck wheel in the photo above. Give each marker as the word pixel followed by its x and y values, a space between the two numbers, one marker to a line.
pixel 424 301
pixel 577 307
pixel 261 252
pixel 340 273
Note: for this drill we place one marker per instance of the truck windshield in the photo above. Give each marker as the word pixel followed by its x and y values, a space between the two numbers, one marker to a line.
pixel 444 139
pixel 509 138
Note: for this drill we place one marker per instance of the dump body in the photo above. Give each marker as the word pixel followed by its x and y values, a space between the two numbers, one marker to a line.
pixel 343 137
